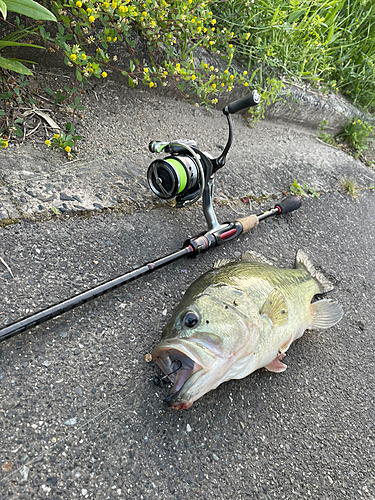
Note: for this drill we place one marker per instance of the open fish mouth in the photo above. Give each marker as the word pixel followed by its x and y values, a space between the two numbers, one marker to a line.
pixel 179 367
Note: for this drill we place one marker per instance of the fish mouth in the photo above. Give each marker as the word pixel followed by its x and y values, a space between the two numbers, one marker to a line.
pixel 179 367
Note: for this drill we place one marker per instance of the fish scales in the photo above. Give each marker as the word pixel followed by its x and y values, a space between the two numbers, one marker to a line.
pixel 237 318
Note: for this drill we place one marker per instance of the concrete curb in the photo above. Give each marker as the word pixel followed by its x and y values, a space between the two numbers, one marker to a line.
pixel 310 109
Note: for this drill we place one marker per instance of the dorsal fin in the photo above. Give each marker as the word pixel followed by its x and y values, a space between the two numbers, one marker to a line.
pixel 275 308
pixel 255 257
pixel 220 263
pixel 302 261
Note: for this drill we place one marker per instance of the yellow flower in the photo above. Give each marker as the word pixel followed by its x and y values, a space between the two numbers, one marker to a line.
pixel 145 70
pixel 230 46
pixel 104 74
pixel 178 66
pixel 193 77
pixel 68 149
pixel 79 4
pixel 205 66
pixel 123 8
pixel 226 71
pixel 4 144
pixel 56 136
pixel 91 19
pixel 214 86
pixel 144 14
pixel 89 11
pixel 151 84
pixel 73 57
pixel 109 38
pixel 212 68
pixel 211 42
pixel 213 21
pixel 245 73
pixel 47 143
pixel 246 84
pixel 106 5
pixel 83 56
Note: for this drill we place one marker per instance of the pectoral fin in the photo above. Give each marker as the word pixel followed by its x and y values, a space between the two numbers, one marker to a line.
pixel 275 308
pixel 325 313
pixel 276 365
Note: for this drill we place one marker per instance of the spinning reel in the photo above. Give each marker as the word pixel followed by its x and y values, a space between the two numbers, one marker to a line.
pixel 188 173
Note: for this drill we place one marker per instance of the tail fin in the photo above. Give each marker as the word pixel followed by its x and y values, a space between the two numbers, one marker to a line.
pixel 303 262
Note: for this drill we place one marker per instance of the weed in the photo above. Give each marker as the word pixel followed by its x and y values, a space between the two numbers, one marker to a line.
pixel 350 187
pixel 327 138
pixel 64 141
pixel 357 133
pixel 305 190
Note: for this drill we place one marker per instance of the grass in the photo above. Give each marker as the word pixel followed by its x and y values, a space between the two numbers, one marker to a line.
pixel 328 42
pixel 350 187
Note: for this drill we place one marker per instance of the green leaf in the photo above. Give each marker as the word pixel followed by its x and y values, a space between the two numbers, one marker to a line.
pixel 18 44
pixel 31 9
pixel 132 66
pixel 14 65
pixel 18 132
pixel 131 83
pixel 3 9
pixel 295 15
pixel 78 75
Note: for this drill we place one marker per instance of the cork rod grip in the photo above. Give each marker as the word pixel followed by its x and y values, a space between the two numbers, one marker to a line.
pixel 248 222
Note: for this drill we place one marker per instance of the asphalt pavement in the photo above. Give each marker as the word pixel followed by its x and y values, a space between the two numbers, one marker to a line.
pixel 80 415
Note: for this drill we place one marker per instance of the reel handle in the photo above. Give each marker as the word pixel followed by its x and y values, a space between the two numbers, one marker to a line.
pixel 252 99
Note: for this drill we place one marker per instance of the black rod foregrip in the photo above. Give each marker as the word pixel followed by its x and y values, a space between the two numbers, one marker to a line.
pixel 252 99
pixel 288 205
pixel 69 304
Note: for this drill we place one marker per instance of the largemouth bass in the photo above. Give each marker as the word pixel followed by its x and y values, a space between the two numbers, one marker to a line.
pixel 237 318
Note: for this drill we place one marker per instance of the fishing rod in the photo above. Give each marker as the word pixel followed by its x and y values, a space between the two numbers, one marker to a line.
pixel 186 175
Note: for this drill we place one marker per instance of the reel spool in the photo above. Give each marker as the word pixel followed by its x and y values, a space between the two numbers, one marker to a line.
pixel 182 175
pixel 172 176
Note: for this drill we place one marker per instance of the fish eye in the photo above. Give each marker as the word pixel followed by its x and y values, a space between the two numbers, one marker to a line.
pixel 191 318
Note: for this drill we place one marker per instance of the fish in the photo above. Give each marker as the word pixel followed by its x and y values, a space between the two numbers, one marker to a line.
pixel 237 318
